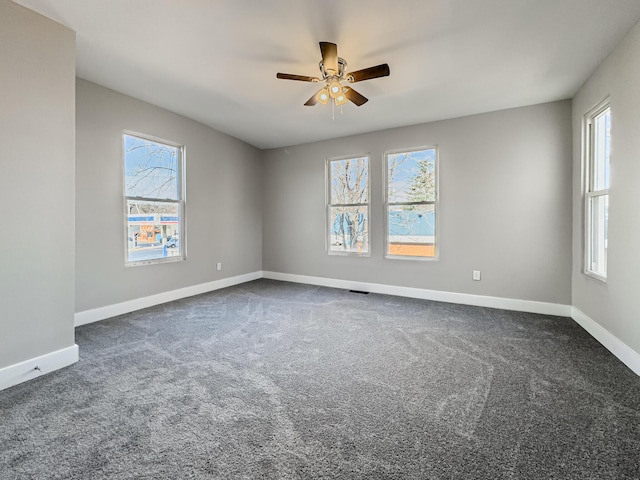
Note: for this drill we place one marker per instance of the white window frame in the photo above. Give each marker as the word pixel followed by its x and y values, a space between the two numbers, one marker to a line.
pixel 435 203
pixel 328 223
pixel 589 160
pixel 180 201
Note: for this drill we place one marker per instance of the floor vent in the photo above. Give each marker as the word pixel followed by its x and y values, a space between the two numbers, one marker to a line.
pixel 359 291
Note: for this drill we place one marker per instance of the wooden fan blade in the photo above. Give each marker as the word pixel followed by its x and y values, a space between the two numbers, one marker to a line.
pixel 354 96
pixel 302 78
pixel 313 100
pixel 368 73
pixel 329 57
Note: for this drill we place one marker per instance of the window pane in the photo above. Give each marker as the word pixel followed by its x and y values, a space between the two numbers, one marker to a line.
pixel 602 150
pixel 599 208
pixel 153 230
pixel 349 180
pixel 151 169
pixel 412 230
pixel 349 229
pixel 411 176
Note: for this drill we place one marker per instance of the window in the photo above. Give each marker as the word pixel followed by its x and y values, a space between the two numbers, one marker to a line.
pixel 348 205
pixel 154 198
pixel 597 156
pixel 410 203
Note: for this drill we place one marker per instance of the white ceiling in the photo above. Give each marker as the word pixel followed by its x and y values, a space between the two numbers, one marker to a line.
pixel 216 60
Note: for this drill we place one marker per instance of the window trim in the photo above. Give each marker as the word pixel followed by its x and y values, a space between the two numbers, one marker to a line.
pixel 386 204
pixel 588 181
pixel 328 205
pixel 181 201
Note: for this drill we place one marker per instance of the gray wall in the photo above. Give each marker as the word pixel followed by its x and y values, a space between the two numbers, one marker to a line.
pixel 616 304
pixel 505 206
pixel 223 178
pixel 37 98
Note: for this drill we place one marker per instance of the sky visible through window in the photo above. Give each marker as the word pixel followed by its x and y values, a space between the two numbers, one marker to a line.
pixel 404 171
pixel 151 169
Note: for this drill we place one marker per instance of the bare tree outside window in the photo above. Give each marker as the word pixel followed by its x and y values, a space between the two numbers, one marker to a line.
pixel 154 199
pixel 348 209
pixel 151 169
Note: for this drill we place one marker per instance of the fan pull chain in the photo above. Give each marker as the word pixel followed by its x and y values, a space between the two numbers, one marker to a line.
pixel 333 111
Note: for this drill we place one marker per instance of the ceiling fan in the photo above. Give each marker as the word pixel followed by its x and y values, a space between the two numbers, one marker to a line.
pixel 334 71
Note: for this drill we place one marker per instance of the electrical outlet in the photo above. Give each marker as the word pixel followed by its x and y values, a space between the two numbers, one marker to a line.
pixel 218 266
pixel 476 275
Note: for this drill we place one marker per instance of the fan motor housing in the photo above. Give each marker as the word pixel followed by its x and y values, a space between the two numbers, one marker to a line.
pixel 342 67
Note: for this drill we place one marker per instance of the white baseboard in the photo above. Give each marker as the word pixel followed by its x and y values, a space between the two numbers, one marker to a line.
pixel 23 371
pixel 101 313
pixel 424 294
pixel 108 311
pixel 625 354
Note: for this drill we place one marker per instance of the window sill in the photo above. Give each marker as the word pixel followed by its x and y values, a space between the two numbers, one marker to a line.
pixel 157 261
pixel 595 276
pixel 409 257
pixel 348 254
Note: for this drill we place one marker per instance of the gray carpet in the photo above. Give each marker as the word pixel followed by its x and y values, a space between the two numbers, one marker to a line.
pixel 271 380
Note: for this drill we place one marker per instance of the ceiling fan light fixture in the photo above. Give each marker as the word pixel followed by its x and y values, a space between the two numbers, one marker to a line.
pixel 335 89
pixel 340 99
pixel 323 96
